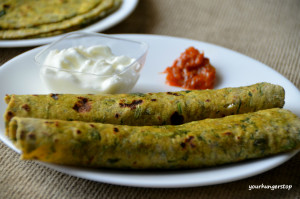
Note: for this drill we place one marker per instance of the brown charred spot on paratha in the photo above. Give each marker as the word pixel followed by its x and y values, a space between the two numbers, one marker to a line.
pixel 176 118
pixel 54 96
pixel 188 141
pixel 82 105
pixel 175 94
pixel 207 100
pixel 49 122
pixel 22 135
pixel 91 159
pixel 132 105
pixel 182 144
pixel 26 107
pixel 227 133
pixel 153 100
pixel 159 118
pixel 116 130
pixel 78 132
pixel 6 6
pixel 117 115
pixel 52 122
pixel 9 115
pixel 31 136
pixel 92 125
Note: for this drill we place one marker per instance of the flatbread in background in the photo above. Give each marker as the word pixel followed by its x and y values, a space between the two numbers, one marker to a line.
pixel 102 9
pixel 29 13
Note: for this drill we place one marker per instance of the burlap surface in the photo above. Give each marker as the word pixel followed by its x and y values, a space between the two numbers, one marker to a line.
pixel 266 30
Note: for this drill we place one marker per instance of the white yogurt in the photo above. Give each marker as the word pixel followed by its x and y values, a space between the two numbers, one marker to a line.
pixel 82 70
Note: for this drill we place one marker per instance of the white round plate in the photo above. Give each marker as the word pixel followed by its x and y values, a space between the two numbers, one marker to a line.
pixel 114 18
pixel 21 76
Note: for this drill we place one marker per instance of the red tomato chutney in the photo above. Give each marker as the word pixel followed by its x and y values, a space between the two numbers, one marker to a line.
pixel 191 71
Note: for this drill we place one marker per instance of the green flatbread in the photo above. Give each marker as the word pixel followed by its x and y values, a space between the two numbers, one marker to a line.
pixel 147 109
pixel 29 13
pixel 196 144
pixel 104 8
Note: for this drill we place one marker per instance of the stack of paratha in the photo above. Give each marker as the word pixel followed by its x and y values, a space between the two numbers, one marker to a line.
pixel 21 19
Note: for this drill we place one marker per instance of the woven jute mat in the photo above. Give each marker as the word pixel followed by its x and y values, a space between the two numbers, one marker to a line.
pixel 268 31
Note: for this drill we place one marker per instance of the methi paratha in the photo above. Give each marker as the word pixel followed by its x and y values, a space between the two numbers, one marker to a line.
pixel 196 144
pixel 147 109
pixel 29 13
pixel 104 8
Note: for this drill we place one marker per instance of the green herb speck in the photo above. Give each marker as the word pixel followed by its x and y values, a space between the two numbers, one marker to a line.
pixel 185 157
pixel 138 112
pixel 200 138
pixel 179 132
pixel 95 135
pixel 138 94
pixel 239 106
pixel 2 12
pixel 179 108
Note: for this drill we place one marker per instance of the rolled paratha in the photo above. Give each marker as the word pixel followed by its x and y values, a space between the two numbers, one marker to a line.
pixel 196 144
pixel 147 109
